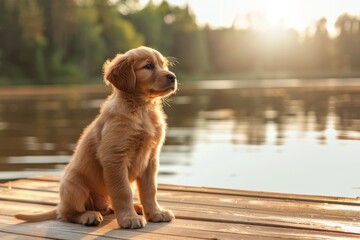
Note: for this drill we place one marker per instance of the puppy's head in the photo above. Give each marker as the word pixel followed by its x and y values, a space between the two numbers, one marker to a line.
pixel 141 71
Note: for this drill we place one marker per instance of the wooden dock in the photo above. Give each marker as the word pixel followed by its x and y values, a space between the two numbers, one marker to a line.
pixel 201 213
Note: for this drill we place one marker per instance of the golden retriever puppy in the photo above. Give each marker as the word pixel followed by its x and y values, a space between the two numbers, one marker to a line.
pixel 119 147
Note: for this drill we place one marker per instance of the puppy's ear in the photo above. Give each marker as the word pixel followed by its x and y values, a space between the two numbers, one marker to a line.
pixel 120 73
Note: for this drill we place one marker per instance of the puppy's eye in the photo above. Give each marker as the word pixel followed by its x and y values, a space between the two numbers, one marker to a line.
pixel 149 66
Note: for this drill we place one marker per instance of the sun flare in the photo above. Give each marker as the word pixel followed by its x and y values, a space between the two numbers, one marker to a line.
pixel 264 15
pixel 284 14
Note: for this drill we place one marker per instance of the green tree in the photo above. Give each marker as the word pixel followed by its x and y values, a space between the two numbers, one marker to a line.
pixel 173 31
pixel 119 34
pixel 149 22
pixel 59 19
pixel 88 49
pixel 22 40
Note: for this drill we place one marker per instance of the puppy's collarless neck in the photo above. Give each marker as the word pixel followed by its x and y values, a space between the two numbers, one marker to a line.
pixel 136 101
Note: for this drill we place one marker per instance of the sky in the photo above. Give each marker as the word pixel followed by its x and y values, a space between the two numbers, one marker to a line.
pixel 267 14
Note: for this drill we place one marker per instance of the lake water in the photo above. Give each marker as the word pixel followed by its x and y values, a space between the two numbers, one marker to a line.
pixel 293 136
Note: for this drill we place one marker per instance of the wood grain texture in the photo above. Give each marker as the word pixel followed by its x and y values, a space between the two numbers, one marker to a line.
pixel 201 213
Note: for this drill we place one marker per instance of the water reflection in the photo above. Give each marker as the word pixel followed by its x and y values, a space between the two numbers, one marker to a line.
pixel 287 139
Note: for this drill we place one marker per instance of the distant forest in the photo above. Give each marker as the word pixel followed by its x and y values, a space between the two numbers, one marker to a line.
pixel 67 41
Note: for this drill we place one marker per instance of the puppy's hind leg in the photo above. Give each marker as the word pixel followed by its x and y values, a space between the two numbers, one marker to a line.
pixel 72 207
pixel 139 208
pixel 99 202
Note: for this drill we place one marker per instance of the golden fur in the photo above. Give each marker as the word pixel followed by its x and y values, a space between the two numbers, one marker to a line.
pixel 119 147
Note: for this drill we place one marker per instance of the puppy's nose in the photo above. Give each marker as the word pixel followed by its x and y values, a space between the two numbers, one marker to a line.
pixel 171 78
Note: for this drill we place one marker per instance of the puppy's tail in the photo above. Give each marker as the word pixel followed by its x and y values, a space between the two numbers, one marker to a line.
pixel 37 217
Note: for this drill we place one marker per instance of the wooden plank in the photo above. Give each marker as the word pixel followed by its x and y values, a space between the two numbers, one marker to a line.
pixel 203 208
pixel 109 228
pixel 59 231
pixel 341 215
pixel 35 185
pixel 13 236
pixel 217 229
pixel 7 209
pixel 257 194
pixel 328 210
pixel 21 195
pixel 346 211
pixel 220 214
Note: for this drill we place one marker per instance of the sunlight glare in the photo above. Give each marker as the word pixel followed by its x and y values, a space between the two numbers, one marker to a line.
pixel 284 14
pixel 266 15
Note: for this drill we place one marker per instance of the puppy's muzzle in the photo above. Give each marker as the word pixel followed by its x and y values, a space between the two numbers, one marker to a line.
pixel 171 80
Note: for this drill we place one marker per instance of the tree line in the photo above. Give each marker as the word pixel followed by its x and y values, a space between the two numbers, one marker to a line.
pixel 67 41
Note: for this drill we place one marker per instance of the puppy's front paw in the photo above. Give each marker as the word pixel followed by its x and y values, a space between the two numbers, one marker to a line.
pixel 160 216
pixel 131 221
